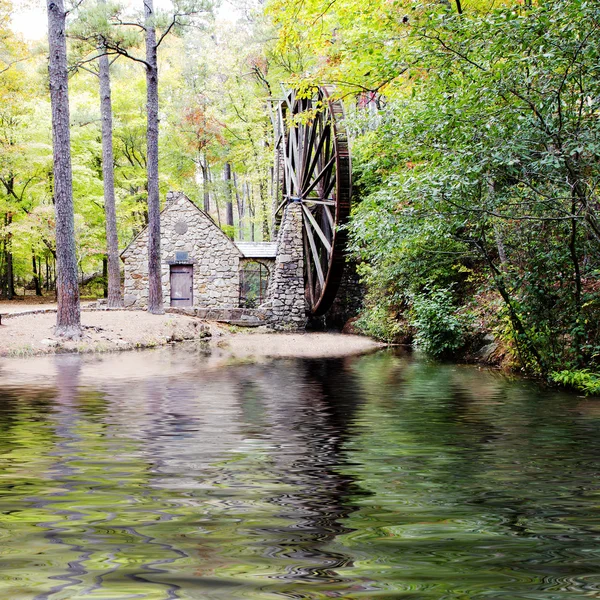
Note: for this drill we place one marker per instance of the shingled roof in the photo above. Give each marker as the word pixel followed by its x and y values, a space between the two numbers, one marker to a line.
pixel 257 249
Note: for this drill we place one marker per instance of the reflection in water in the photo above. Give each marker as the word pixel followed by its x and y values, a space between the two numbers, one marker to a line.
pixel 370 477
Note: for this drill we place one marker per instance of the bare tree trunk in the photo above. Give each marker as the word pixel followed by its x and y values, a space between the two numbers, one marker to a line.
pixel 115 300
pixel 240 208
pixel 251 211
pixel 204 168
pixel 491 184
pixel 68 318
pixel 10 274
pixel 228 201
pixel 265 212
pixel 36 279
pixel 155 299
pixel 215 198
pixel 105 276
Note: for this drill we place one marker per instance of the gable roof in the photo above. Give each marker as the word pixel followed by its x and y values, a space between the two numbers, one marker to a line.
pixel 172 198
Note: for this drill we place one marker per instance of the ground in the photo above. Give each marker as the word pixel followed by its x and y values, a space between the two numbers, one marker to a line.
pixel 27 333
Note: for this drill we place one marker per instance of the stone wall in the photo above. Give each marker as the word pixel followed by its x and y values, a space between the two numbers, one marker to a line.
pixel 185 228
pixel 286 289
pixel 348 301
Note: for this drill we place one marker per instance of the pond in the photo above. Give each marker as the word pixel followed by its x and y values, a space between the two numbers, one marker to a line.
pixel 159 475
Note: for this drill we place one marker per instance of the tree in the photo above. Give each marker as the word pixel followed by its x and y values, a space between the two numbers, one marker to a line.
pixel 182 13
pixel 115 299
pixel 68 321
pixel 155 299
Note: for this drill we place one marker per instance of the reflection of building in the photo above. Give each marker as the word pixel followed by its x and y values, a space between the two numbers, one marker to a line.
pixel 200 265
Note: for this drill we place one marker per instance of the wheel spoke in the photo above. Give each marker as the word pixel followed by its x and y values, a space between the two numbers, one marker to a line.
pixel 294 160
pixel 318 178
pixel 315 254
pixel 324 136
pixel 309 272
pixel 317 201
pixel 329 217
pixel 316 227
pixel 329 188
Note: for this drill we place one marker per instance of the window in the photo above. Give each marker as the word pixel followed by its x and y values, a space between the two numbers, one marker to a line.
pixel 254 280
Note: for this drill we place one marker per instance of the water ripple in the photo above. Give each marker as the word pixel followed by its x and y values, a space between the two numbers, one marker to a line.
pixel 366 478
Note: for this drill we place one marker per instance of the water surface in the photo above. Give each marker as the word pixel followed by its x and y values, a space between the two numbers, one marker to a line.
pixel 158 475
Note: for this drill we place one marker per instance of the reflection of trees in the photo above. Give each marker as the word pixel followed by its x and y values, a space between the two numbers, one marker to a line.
pixel 248 481
pixel 230 475
pixel 469 482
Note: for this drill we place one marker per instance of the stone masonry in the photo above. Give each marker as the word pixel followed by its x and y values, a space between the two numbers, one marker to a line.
pixel 286 302
pixel 185 228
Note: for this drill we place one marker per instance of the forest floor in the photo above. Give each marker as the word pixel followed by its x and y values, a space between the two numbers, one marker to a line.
pixel 32 333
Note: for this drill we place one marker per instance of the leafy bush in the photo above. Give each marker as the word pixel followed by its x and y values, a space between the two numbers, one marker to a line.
pixel 377 321
pixel 583 380
pixel 440 329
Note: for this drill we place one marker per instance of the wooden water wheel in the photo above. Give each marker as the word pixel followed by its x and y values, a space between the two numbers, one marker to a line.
pixel 317 174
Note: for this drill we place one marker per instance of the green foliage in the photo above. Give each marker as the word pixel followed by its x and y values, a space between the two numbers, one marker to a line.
pixel 583 380
pixel 228 230
pixel 440 328
pixel 480 169
pixel 379 321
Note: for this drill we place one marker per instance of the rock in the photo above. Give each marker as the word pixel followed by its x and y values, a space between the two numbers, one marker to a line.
pixel 350 328
pixel 485 353
pixel 129 300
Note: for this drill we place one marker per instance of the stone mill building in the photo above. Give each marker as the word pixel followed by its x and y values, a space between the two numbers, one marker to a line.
pixel 201 266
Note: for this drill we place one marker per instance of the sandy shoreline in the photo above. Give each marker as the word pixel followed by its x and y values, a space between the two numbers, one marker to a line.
pixel 110 331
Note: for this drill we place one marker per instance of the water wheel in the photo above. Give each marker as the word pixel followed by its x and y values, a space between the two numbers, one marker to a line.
pixel 317 174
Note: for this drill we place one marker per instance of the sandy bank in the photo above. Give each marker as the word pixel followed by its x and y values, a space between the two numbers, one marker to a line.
pixel 293 345
pixel 109 331
pixel 103 331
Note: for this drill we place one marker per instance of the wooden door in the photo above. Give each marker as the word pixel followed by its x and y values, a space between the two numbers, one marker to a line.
pixel 182 285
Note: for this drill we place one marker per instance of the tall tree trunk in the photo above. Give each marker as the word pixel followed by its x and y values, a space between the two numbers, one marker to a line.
pixel 115 300
pixel 251 211
pixel 10 274
pixel 3 261
pixel 577 329
pixel 204 168
pixel 266 236
pixel 105 276
pixel 215 198
pixel 228 201
pixel 491 185
pixel 240 207
pixel 47 273
pixel 68 318
pixel 155 299
pixel 36 279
